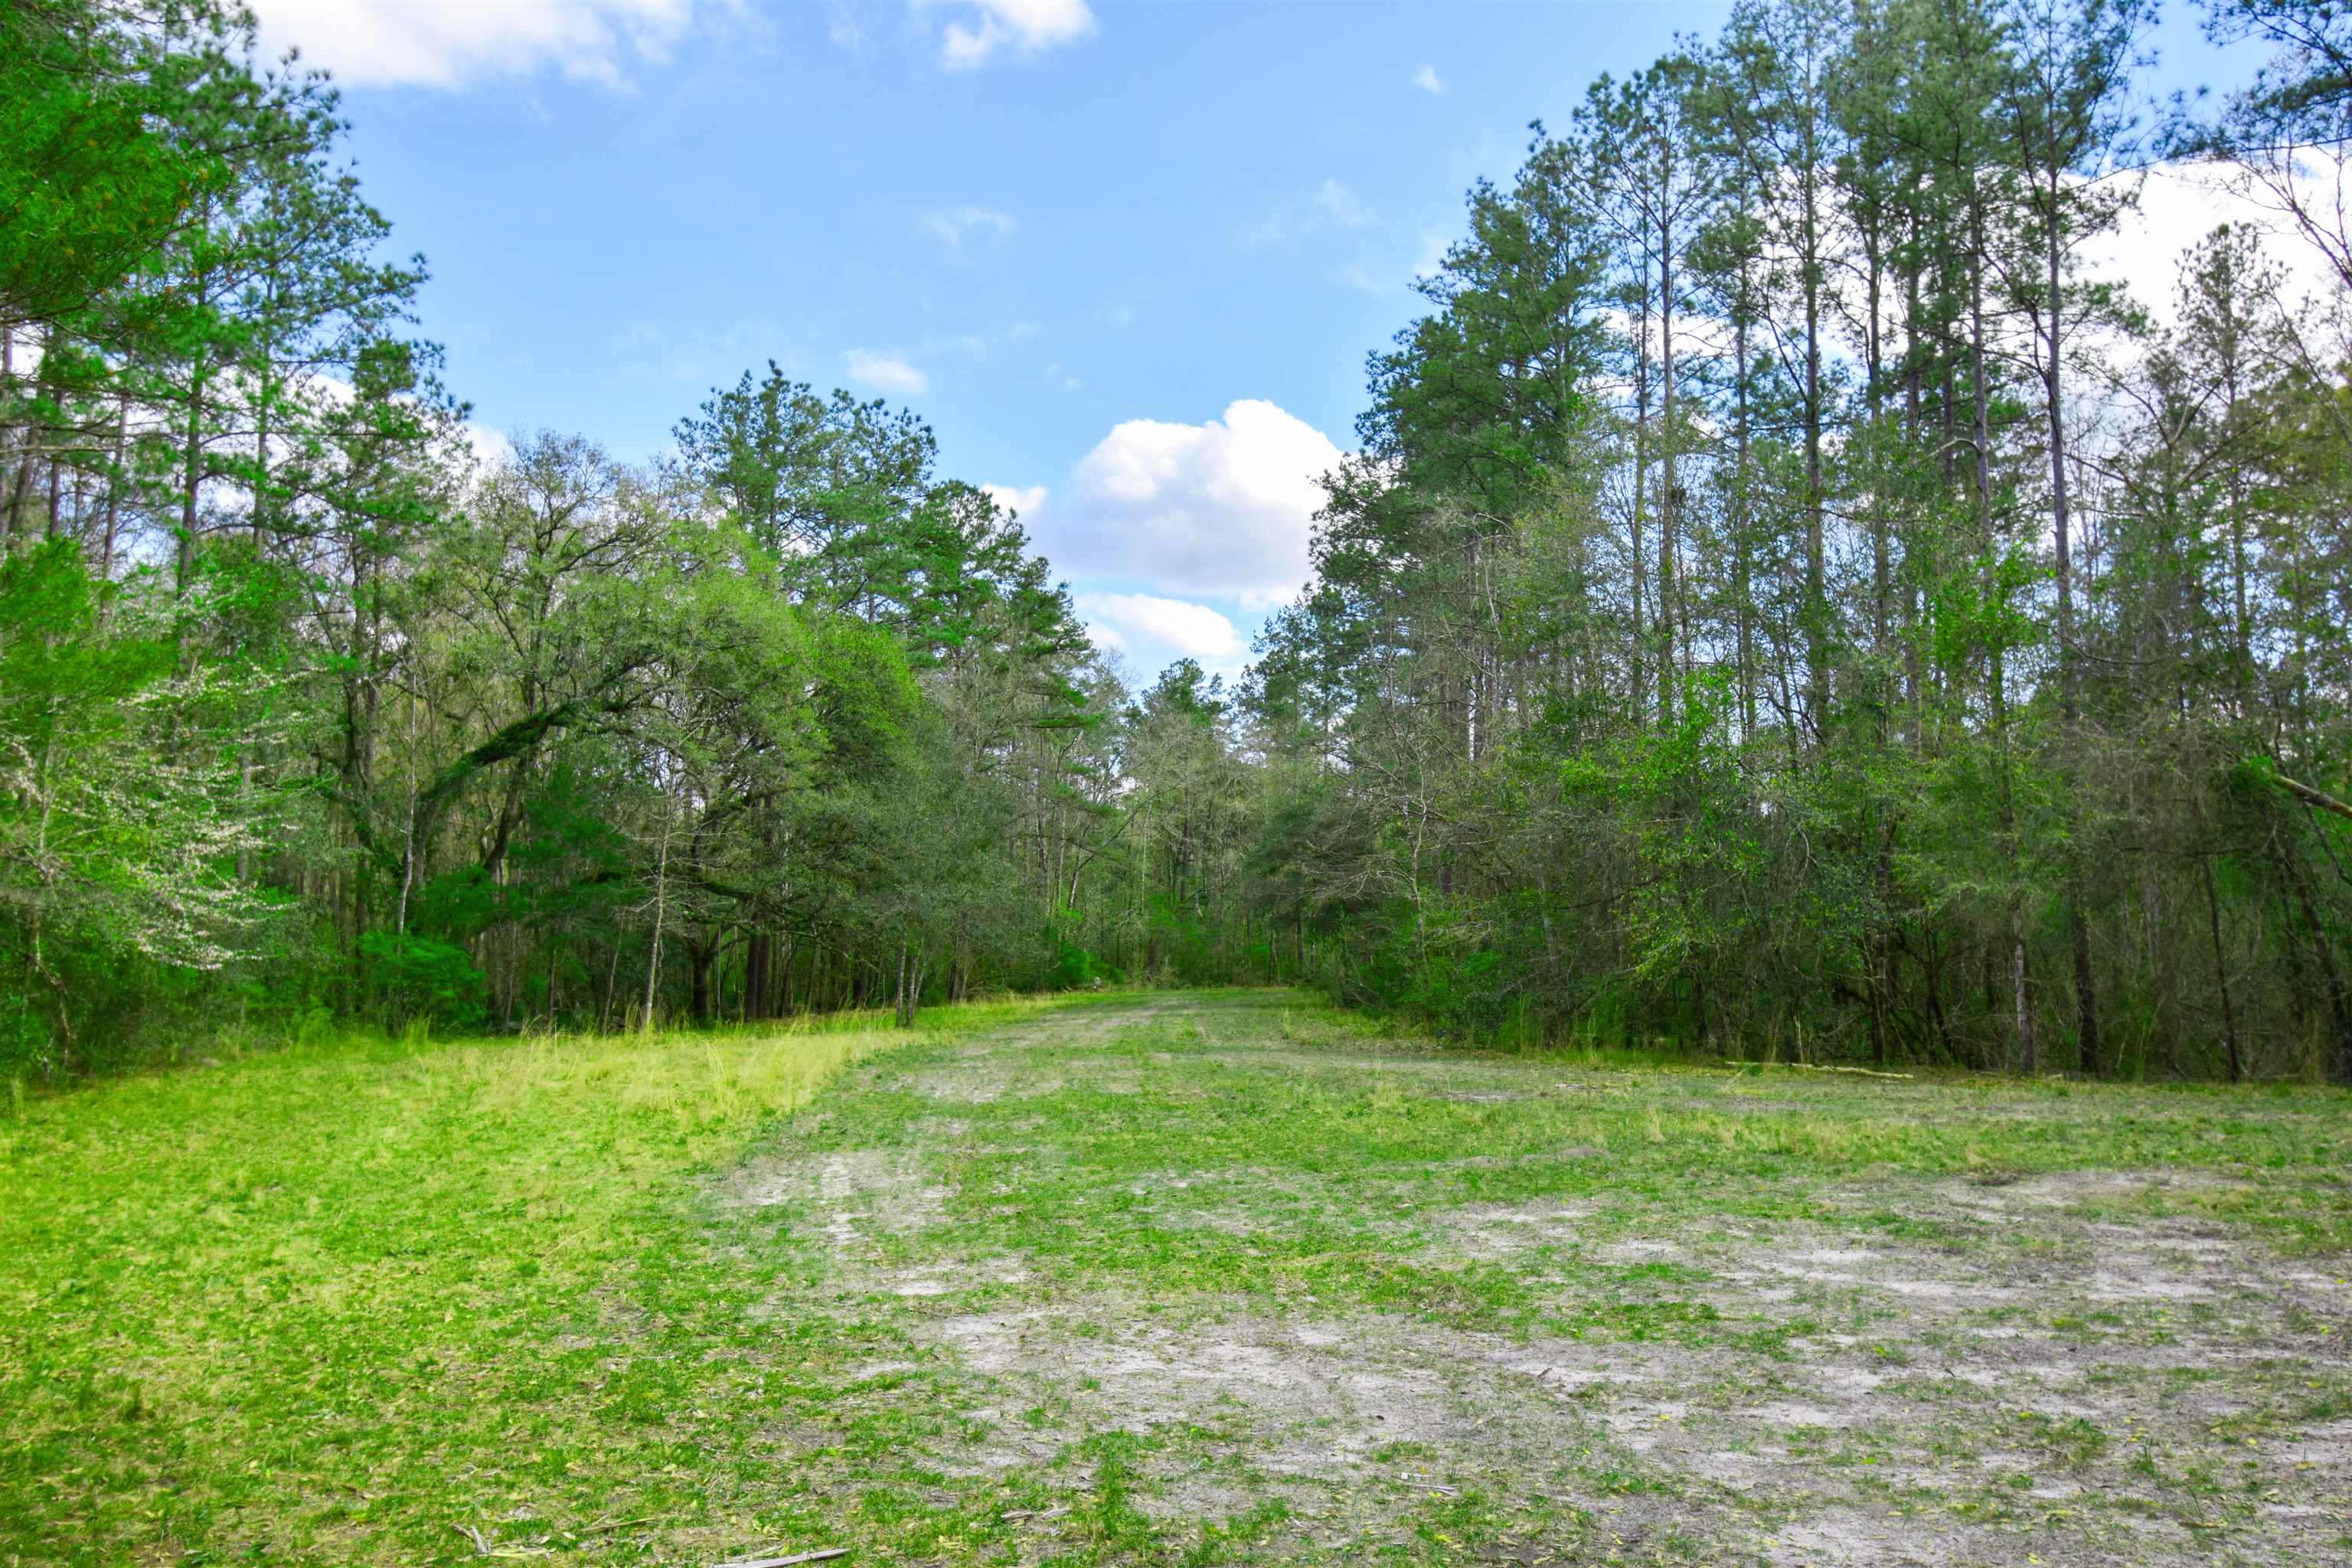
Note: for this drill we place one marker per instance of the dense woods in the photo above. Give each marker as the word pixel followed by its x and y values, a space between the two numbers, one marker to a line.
pixel 1783 601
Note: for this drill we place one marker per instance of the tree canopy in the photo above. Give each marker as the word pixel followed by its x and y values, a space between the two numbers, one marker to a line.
pixel 1784 601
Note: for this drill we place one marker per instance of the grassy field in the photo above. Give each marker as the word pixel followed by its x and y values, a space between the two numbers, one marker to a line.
pixel 1165 1278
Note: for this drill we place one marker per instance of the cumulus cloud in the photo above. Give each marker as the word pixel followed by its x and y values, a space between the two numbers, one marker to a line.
pixel 1429 81
pixel 451 43
pixel 488 443
pixel 2180 204
pixel 1025 500
pixel 884 372
pixel 953 225
pixel 1024 27
pixel 1223 509
pixel 1139 623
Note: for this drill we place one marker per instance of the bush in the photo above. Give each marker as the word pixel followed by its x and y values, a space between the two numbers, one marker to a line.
pixel 416 979
pixel 1076 969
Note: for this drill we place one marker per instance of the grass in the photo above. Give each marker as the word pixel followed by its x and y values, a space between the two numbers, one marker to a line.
pixel 1185 1280
pixel 343 1302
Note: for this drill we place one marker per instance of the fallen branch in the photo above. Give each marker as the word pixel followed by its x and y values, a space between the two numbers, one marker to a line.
pixel 829 1552
pixel 1818 1067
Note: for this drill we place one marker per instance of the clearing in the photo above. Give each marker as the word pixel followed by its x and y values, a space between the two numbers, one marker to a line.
pixel 1185 1278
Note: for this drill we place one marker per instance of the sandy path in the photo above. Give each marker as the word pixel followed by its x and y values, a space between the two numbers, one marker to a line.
pixel 1900 1370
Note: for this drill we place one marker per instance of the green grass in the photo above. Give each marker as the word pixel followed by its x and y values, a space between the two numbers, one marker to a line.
pixel 1088 1282
pixel 345 1301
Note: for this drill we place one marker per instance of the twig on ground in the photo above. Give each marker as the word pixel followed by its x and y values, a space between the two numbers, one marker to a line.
pixel 601 1528
pixel 1819 1067
pixel 827 1554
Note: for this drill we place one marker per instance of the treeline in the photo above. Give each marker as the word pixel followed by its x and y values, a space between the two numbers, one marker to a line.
pixel 1786 603
pixel 310 711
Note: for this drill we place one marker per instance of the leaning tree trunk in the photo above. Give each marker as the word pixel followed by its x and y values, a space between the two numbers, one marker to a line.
pixel 661 897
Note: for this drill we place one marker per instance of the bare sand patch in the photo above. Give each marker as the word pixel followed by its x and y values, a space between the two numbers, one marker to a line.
pixel 1930 1371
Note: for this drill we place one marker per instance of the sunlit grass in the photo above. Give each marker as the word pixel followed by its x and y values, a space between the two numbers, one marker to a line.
pixel 360 1299
pixel 317 1301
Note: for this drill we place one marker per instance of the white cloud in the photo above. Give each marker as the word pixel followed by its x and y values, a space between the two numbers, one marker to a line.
pixel 886 373
pixel 1338 203
pixel 2180 206
pixel 450 44
pixel 1025 26
pixel 1429 81
pixel 1435 241
pixel 1132 622
pixel 1027 500
pixel 488 444
pixel 1376 278
pixel 953 226
pixel 1222 509
pixel 1330 205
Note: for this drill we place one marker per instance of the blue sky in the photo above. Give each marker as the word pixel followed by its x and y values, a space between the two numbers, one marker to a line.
pixel 1126 259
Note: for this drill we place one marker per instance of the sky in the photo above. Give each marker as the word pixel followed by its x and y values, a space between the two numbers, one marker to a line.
pixel 1126 259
